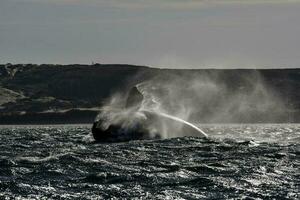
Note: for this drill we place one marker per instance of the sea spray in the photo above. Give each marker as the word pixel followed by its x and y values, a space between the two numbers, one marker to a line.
pixel 182 127
pixel 140 123
pixel 167 105
pixel 209 97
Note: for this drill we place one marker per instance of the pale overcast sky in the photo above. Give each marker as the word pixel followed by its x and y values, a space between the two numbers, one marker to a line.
pixel 159 33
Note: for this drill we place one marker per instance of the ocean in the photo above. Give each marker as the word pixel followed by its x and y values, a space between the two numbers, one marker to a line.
pixel 257 161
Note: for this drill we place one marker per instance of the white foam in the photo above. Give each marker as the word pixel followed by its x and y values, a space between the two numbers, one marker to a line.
pixel 181 121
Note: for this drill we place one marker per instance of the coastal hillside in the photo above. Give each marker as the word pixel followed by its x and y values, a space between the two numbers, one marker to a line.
pixel 31 94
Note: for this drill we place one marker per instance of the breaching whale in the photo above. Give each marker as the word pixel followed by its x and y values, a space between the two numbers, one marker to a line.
pixel 135 123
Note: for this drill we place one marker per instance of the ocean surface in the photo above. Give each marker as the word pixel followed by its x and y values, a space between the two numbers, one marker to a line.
pixel 237 162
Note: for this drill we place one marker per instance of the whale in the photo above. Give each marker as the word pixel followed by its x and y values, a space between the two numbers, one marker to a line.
pixel 136 123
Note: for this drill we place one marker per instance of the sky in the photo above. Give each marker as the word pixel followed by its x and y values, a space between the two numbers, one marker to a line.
pixel 157 33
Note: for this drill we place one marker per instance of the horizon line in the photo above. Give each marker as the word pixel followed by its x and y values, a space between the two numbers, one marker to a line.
pixel 149 66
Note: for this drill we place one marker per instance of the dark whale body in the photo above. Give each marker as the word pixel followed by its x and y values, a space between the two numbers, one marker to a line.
pixel 139 124
pixel 117 132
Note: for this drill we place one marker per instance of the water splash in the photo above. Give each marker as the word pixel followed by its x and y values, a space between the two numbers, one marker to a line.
pixel 143 112
pixel 183 128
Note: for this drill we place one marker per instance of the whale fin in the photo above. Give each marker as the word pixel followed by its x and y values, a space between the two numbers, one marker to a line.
pixel 134 99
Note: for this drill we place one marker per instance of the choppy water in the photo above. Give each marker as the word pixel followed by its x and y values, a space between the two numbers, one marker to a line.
pixel 237 161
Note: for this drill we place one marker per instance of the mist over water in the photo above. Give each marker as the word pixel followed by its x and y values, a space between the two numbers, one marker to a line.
pixel 195 98
pixel 212 97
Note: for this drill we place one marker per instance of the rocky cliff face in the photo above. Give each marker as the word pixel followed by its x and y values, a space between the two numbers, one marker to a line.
pixel 39 91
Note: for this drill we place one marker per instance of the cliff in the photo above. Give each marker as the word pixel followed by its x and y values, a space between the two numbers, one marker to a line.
pixel 74 93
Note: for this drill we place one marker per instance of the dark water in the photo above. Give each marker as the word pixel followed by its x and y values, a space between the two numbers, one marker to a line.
pixel 237 161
